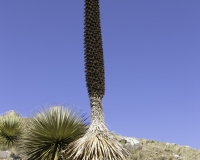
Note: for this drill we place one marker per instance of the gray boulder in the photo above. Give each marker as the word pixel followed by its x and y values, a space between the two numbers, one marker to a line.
pixel 4 155
pixel 132 144
pixel 128 142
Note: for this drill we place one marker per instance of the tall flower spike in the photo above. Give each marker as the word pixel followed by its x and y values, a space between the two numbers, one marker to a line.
pixel 97 143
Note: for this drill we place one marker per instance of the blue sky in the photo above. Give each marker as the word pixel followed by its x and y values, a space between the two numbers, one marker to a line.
pixel 151 54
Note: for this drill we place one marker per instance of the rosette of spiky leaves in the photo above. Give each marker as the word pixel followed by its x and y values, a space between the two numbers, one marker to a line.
pixel 94 62
pixel 98 143
pixel 51 130
pixel 10 130
pixel 99 146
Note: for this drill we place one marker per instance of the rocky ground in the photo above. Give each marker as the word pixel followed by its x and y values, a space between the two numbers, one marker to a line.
pixel 142 149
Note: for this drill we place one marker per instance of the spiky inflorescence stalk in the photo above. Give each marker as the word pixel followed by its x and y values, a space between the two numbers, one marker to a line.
pixel 94 63
pixel 97 143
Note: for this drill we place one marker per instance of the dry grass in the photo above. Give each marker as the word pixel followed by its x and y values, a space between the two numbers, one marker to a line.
pixel 153 150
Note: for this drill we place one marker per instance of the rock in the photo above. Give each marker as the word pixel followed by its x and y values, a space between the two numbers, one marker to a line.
pixel 167 144
pixel 128 142
pixel 172 144
pixel 132 144
pixel 4 155
pixel 177 156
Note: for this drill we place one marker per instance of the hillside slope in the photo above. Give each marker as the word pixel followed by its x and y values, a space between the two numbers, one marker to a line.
pixel 154 150
pixel 150 150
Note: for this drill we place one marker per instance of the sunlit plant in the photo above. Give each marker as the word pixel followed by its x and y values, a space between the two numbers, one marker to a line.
pixel 50 131
pixel 97 143
pixel 10 130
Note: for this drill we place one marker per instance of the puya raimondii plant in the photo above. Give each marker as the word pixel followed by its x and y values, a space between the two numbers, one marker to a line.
pixel 97 143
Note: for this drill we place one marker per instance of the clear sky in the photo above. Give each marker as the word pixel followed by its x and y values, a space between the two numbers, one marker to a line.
pixel 151 54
